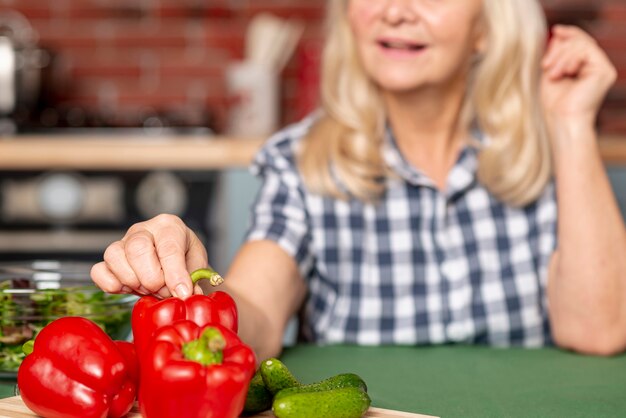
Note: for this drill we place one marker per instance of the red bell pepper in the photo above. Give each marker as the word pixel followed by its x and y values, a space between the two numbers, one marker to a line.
pixel 76 370
pixel 127 349
pixel 150 313
pixel 195 371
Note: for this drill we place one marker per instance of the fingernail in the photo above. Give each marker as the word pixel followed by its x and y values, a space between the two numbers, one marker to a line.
pixel 182 291
pixel 126 289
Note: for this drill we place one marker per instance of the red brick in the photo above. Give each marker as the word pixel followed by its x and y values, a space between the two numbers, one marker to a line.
pixel 307 10
pixel 131 92
pixel 227 38
pixel 304 13
pixel 611 36
pixel 616 97
pixel 155 54
pixel 60 36
pixel 104 64
pixel 614 11
pixel 31 9
pixel 203 70
pixel 151 35
pixel 196 9
pixel 612 122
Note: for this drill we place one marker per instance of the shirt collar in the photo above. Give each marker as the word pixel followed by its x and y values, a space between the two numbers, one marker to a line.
pixel 461 177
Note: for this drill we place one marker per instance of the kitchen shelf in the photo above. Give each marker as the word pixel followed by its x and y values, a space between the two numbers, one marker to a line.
pixel 126 153
pixel 175 153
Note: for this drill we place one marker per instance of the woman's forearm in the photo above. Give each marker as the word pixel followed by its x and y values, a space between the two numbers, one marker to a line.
pixel 256 330
pixel 265 283
pixel 587 283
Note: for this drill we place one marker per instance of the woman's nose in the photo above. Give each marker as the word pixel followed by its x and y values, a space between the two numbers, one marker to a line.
pixel 399 11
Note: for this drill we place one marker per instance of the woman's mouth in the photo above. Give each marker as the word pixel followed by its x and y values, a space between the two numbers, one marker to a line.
pixel 400 47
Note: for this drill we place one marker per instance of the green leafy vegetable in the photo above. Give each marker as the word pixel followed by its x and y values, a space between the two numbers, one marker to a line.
pixel 25 311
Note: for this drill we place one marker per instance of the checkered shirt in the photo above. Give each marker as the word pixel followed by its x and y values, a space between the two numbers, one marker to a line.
pixel 420 266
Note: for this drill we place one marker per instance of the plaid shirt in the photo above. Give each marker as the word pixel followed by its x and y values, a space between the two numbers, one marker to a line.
pixel 420 266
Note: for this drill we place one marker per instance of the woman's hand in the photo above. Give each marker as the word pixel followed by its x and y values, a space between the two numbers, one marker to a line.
pixel 154 257
pixel 577 74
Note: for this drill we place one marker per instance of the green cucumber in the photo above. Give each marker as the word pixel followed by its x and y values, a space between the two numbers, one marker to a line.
pixel 344 380
pixel 277 376
pixel 346 402
pixel 258 399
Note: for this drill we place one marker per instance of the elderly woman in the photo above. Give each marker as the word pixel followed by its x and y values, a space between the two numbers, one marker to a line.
pixel 448 190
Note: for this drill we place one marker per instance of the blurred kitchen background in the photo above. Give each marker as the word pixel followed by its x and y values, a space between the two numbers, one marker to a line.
pixel 114 110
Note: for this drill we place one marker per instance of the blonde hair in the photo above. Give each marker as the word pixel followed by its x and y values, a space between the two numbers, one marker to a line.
pixel 341 156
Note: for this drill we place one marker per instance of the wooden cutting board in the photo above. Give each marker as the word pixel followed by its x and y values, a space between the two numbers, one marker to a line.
pixel 15 408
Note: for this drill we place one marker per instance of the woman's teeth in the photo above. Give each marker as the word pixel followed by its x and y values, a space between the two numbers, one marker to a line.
pixel 401 45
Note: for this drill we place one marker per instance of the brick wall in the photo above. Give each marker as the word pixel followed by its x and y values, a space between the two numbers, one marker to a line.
pixel 124 59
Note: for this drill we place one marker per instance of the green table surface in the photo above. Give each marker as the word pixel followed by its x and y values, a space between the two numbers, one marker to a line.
pixel 460 381
pixel 7 388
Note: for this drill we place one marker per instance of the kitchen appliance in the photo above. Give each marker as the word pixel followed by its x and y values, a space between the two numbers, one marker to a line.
pixel 75 215
pixel 7 76
pixel 22 65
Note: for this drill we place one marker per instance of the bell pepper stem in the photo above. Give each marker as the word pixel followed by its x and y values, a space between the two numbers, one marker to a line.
pixel 28 347
pixel 206 350
pixel 209 274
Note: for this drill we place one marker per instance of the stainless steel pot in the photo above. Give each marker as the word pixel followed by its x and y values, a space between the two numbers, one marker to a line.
pixel 7 76
pixel 21 65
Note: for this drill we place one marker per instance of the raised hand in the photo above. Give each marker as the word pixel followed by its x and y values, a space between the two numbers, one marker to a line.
pixel 577 74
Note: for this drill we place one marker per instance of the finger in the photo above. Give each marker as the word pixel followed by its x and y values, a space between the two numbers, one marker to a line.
pixel 565 59
pixel 143 291
pixel 556 72
pixel 105 279
pixel 196 257
pixel 197 290
pixel 555 62
pixel 142 257
pixel 136 293
pixel 567 31
pixel 573 67
pixel 555 50
pixel 561 30
pixel 171 242
pixel 115 259
pixel 599 58
pixel 567 38
pixel 164 292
